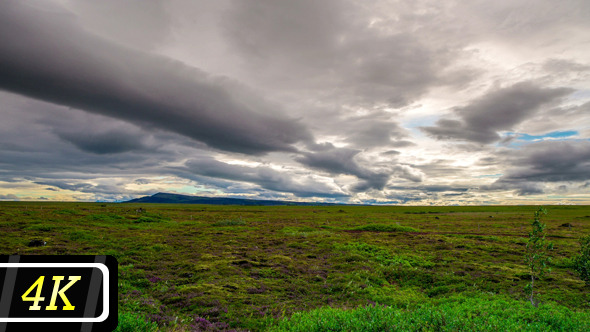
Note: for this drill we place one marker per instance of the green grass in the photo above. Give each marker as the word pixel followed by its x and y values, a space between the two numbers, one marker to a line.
pixel 190 267
pixel 458 313
pixel 134 323
pixel 230 222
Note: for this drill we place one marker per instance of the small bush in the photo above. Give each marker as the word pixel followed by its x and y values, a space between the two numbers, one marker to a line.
pixel 581 263
pixel 537 253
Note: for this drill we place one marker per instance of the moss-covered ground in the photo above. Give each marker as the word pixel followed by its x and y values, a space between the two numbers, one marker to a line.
pixel 191 267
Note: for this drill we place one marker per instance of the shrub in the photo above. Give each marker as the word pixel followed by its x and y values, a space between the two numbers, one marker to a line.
pixel 581 263
pixel 536 255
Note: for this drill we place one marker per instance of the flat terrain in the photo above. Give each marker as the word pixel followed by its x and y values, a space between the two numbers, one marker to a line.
pixel 247 266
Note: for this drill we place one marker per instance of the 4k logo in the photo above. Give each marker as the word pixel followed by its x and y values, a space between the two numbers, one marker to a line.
pixel 66 293
pixel 39 285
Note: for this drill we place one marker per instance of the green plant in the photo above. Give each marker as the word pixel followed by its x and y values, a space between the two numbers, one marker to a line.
pixel 581 263
pixel 131 323
pixel 536 254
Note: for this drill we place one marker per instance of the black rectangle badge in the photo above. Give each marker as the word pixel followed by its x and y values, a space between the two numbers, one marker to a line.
pixel 67 293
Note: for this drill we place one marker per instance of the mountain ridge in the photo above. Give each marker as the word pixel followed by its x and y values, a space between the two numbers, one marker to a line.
pixel 168 198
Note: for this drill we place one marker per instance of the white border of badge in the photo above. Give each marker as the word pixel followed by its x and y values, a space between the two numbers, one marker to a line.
pixel 105 293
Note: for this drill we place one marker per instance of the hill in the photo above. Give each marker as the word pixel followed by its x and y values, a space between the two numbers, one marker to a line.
pixel 188 199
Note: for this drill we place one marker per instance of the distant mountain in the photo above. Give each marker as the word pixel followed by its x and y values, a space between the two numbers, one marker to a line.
pixel 187 199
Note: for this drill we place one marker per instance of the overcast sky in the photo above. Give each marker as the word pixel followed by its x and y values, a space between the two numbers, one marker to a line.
pixel 383 102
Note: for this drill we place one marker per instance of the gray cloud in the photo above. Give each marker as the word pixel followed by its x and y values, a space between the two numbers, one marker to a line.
pixel 562 66
pixel 536 164
pixel 46 55
pixel 103 142
pixel 95 103
pixel 372 131
pixel 122 22
pixel 391 153
pixel 265 177
pixel 498 110
pixel 346 51
pixel 342 161
pixel 82 187
pixel 550 161
pixel 402 144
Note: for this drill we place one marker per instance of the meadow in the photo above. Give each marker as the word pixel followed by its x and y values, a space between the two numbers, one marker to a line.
pixel 317 268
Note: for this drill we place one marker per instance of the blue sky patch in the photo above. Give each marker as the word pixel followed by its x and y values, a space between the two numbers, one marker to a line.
pixel 522 139
pixel 554 134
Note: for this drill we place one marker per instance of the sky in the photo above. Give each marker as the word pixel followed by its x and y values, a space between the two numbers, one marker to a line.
pixel 421 102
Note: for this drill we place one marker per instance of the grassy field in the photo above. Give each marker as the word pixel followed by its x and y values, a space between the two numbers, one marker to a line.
pixel 198 267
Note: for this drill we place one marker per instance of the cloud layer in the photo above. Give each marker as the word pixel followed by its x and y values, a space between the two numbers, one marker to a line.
pixel 52 58
pixel 498 110
pixel 405 102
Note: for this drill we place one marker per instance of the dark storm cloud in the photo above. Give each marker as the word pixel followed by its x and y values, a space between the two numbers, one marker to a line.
pixel 265 177
pixel 498 110
pixel 104 142
pixel 334 161
pixel 46 55
pixel 551 161
pixel 342 161
pixel 44 140
pixel 536 164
